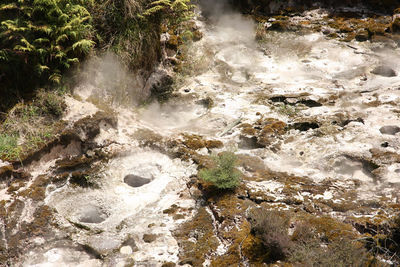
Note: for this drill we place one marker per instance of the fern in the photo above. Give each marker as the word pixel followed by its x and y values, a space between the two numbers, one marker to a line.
pixel 83 45
pixel 174 12
pixel 43 36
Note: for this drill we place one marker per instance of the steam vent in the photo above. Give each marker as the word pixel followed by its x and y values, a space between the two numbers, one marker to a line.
pixel 204 133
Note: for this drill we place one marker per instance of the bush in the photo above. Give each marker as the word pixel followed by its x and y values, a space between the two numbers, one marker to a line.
pixel 272 228
pixel 224 174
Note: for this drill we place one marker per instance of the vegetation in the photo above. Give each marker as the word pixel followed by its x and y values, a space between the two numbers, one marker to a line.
pixel 171 12
pixel 224 174
pixel 28 126
pixel 272 228
pixel 306 246
pixel 41 39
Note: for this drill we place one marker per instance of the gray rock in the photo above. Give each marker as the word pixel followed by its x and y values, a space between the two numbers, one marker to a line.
pixel 389 129
pixel 92 214
pixel 103 245
pixel 136 181
pixel 384 71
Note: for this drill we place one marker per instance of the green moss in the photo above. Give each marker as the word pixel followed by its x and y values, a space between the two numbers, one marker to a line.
pixel 200 228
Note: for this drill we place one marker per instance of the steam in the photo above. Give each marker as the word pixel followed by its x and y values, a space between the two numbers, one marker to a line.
pixel 172 115
pixel 105 79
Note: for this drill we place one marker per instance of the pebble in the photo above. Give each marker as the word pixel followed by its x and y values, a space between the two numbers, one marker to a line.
pixel 126 250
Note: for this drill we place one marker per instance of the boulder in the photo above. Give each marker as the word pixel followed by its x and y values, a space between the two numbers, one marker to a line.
pixel 384 71
pixel 389 129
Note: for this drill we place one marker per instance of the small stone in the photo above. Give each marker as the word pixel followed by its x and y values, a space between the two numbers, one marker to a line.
pixel 389 129
pixel 384 71
pixel 127 250
pixel 148 238
pixel 130 241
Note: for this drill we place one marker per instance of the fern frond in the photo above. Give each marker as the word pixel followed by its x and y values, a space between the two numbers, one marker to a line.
pixel 41 68
pixel 73 60
pixel 10 6
pixel 61 38
pixel 26 47
pixel 83 45
pixel 55 78
pixel 3 55
pixel 41 41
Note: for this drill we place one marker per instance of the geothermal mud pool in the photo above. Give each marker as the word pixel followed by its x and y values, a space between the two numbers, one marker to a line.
pixel 335 106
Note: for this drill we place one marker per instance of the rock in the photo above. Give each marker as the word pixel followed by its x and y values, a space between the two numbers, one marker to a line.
pixel 130 241
pixel 396 24
pixel 136 181
pixel 148 238
pixel 127 250
pixel 279 26
pixel 389 129
pixel 384 71
pixel 92 214
pixel 103 245
pixel 5 167
pixel 159 84
pixel 362 35
pixel 168 264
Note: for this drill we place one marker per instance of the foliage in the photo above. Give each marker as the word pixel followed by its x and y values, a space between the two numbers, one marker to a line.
pixel 40 39
pixel 174 12
pixel 223 175
pixel 120 28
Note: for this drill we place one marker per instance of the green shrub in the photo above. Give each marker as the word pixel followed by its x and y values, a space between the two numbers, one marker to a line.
pixel 224 174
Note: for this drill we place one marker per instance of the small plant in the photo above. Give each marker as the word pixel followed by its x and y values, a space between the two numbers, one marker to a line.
pixel 287 110
pixel 272 228
pixel 224 174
